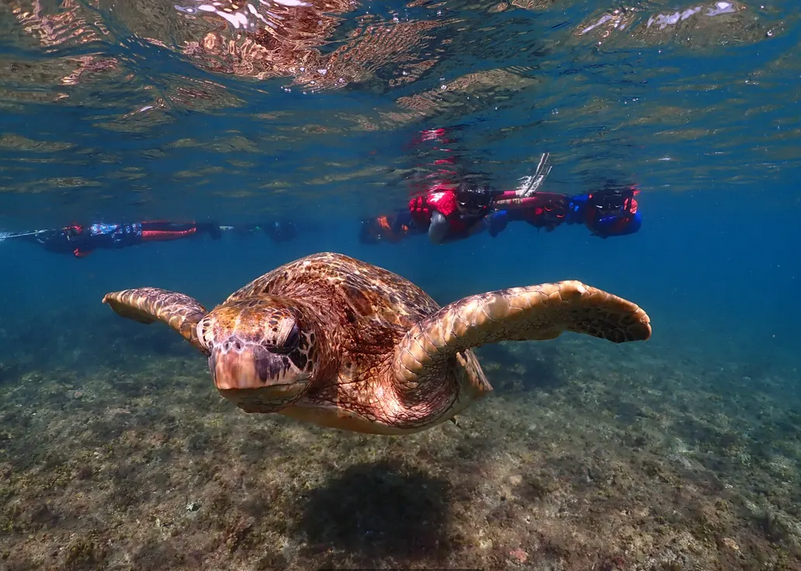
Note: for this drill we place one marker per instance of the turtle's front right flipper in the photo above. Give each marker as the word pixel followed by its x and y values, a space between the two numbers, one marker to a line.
pixel 148 304
pixel 517 314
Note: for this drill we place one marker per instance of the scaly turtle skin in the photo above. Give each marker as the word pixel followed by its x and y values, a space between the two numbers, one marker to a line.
pixel 338 342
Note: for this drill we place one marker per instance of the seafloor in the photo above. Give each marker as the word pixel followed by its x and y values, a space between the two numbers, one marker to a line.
pixel 589 456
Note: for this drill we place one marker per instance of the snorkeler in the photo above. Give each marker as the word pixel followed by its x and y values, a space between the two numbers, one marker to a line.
pixel 80 240
pixel 608 212
pixel 447 210
pixel 457 214
pixel 278 230
pixel 605 212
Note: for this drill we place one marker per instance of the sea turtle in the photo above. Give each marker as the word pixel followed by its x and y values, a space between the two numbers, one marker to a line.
pixel 339 342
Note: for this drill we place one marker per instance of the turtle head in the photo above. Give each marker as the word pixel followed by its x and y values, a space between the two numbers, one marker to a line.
pixel 261 352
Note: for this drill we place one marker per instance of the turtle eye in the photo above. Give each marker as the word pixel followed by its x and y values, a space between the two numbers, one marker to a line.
pixel 291 341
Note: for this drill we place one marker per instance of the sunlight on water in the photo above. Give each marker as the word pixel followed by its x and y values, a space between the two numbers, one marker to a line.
pixel 681 98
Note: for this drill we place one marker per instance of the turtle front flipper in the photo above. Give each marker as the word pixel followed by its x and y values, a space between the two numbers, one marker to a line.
pixel 149 304
pixel 516 314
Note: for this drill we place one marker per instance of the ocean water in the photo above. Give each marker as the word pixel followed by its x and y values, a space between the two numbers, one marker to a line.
pixel 681 452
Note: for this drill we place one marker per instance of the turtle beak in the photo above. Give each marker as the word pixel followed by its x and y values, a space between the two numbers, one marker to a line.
pixel 256 379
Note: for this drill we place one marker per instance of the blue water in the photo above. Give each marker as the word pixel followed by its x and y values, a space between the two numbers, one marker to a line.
pixel 705 268
pixel 106 114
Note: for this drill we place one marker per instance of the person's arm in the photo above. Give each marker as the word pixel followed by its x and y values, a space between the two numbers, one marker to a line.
pixel 439 228
pixel 70 240
pixel 37 237
pixel 542 210
pixel 510 200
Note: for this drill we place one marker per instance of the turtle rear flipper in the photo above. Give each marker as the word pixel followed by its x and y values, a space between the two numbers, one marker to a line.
pixel 517 314
pixel 148 304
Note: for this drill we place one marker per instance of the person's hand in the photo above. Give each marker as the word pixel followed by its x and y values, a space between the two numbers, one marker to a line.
pixel 497 222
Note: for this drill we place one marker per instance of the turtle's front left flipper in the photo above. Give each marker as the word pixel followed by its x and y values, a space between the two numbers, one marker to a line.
pixel 148 304
pixel 518 314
